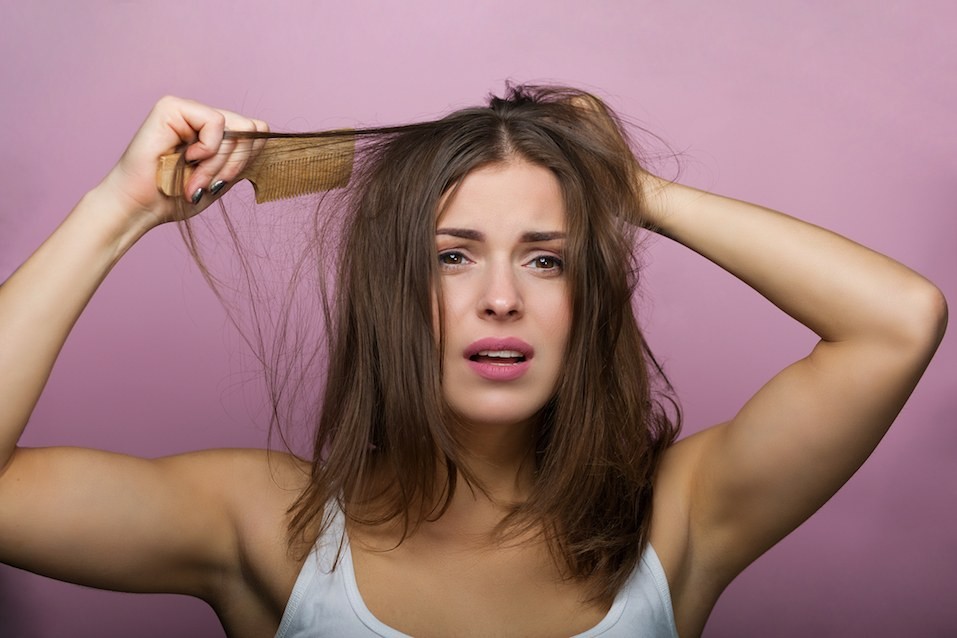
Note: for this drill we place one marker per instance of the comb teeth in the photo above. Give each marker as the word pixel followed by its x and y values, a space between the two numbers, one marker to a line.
pixel 319 169
pixel 285 167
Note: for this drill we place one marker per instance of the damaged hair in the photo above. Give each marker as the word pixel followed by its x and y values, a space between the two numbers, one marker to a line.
pixel 382 413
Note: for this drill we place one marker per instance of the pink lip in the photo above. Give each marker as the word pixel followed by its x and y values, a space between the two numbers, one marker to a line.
pixel 499 371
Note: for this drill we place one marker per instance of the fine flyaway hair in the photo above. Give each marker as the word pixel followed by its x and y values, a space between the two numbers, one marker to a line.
pixel 384 445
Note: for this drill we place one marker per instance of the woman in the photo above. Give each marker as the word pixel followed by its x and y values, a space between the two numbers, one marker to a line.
pixel 491 443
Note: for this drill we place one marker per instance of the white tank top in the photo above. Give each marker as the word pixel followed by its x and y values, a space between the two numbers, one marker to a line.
pixel 327 602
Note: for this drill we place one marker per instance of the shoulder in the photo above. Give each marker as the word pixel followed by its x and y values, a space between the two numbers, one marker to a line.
pixel 247 482
pixel 256 488
pixel 231 468
pixel 671 515
pixel 252 488
pixel 693 589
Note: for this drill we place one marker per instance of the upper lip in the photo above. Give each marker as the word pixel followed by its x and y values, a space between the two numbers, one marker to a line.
pixel 499 344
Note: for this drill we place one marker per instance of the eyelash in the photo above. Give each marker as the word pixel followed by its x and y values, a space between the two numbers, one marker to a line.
pixel 451 259
pixel 558 263
pixel 460 259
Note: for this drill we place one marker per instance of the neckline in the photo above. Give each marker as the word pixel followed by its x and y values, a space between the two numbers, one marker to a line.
pixel 370 620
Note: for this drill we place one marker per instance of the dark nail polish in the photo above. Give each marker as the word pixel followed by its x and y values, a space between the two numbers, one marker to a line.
pixel 198 195
pixel 216 186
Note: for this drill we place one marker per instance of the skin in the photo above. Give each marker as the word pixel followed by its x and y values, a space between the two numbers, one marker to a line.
pixel 496 283
pixel 212 524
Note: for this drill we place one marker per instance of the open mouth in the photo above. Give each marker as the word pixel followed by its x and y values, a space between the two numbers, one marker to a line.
pixel 498 357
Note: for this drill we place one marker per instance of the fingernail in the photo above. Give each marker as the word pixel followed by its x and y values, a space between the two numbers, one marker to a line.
pixel 198 195
pixel 216 186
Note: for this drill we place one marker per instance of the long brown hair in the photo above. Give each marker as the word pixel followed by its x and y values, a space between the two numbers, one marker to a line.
pixel 600 437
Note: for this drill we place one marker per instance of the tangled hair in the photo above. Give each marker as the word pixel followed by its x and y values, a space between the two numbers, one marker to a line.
pixel 602 434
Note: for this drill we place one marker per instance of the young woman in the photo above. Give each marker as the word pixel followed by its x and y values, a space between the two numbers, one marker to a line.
pixel 493 456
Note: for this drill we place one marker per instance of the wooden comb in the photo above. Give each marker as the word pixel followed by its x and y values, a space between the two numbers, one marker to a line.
pixel 285 167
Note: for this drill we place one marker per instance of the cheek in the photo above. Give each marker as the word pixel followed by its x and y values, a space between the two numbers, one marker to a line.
pixel 562 317
pixel 448 305
pixel 446 315
pixel 555 325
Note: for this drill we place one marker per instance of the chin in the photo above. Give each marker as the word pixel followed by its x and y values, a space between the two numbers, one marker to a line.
pixel 490 414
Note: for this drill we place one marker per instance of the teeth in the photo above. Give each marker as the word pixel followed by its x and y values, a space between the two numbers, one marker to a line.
pixel 501 354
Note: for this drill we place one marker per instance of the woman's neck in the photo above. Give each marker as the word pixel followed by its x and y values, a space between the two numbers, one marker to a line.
pixel 497 470
pixel 499 458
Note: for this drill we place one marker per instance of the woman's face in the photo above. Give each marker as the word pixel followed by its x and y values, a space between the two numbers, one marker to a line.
pixel 500 241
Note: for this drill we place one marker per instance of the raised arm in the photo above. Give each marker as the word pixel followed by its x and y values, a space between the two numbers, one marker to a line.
pixel 752 480
pixel 105 519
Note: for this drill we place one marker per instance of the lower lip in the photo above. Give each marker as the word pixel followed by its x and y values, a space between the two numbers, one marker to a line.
pixel 499 371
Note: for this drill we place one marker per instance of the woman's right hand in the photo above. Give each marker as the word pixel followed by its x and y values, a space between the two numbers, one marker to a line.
pixel 179 124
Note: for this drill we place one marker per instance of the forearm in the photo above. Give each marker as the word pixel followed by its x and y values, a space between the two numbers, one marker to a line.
pixel 839 289
pixel 42 300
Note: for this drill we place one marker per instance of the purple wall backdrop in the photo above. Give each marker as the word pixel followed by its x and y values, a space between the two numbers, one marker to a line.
pixel 843 114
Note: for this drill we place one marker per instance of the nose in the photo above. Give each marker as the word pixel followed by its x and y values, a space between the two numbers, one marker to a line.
pixel 501 296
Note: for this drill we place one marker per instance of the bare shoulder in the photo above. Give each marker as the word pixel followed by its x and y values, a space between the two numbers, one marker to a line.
pixel 258 488
pixel 693 593
pixel 673 489
pixel 242 475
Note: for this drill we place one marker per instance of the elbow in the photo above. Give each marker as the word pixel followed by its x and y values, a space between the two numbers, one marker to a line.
pixel 940 315
pixel 934 313
pixel 924 317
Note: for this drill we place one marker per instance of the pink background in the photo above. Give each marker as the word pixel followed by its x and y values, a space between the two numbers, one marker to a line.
pixel 844 114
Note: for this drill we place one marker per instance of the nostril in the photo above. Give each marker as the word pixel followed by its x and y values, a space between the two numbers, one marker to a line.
pixel 502 312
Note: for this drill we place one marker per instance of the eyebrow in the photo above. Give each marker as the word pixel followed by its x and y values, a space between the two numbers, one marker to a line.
pixel 528 237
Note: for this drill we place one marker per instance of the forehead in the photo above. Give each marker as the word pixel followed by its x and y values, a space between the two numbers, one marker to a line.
pixel 515 195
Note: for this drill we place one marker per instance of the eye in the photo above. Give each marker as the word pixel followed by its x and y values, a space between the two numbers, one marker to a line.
pixel 452 259
pixel 548 263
